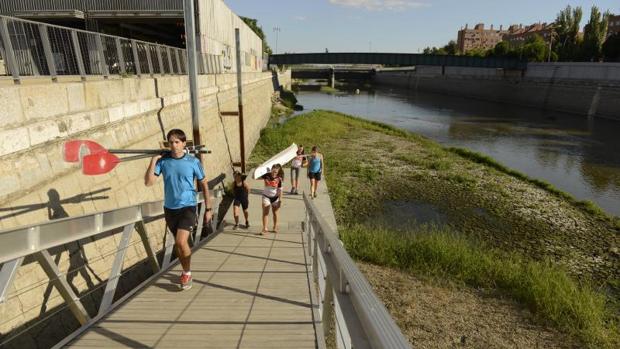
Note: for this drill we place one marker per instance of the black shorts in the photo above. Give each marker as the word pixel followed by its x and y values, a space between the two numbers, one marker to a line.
pixel 243 202
pixel 314 175
pixel 180 218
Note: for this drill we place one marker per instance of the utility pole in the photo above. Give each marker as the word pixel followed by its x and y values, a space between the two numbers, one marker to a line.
pixel 276 30
pixel 192 71
pixel 240 100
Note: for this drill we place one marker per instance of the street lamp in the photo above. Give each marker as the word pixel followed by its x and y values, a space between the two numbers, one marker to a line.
pixel 276 30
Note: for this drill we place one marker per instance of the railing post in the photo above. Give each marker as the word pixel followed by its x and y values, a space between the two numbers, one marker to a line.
pixel 149 61
pixel 160 60
pixel 184 55
pixel 168 246
pixel 47 49
pixel 58 279
pixel 170 65
pixel 11 62
pixel 121 57
pixel 176 57
pixel 328 305
pixel 78 54
pixel 141 228
pixel 7 274
pixel 136 58
pixel 103 66
pixel 117 268
pixel 201 220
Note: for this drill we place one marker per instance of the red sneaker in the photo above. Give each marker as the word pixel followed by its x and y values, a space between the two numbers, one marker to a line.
pixel 186 282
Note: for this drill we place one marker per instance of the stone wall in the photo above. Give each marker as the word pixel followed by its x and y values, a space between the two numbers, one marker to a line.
pixel 38 186
pixel 584 97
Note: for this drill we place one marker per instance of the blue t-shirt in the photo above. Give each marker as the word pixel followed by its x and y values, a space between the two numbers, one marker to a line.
pixel 179 174
pixel 315 164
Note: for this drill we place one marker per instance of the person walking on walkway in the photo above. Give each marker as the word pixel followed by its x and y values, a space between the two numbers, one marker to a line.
pixel 179 170
pixel 295 167
pixel 272 196
pixel 316 167
pixel 241 192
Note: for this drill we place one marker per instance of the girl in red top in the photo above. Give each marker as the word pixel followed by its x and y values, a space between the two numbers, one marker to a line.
pixel 272 196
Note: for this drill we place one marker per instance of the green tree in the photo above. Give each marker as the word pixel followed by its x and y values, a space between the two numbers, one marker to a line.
pixel 258 30
pixel 502 49
pixel 451 48
pixel 535 49
pixel 594 35
pixel 611 48
pixel 567 28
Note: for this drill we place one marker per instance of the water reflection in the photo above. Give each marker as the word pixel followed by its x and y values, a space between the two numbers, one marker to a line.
pixel 575 154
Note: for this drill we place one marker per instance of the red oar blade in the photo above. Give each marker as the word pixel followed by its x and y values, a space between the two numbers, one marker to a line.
pixel 100 163
pixel 74 150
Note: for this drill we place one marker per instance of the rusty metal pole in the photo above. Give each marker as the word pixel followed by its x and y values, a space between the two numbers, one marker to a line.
pixel 192 71
pixel 240 97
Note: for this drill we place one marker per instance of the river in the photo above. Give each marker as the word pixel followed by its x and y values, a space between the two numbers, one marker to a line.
pixel 576 155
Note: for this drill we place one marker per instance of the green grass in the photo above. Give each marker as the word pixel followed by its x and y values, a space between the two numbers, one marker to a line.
pixel 544 288
pixel 552 295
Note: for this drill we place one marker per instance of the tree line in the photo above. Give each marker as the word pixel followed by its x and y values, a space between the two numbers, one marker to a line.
pixel 566 43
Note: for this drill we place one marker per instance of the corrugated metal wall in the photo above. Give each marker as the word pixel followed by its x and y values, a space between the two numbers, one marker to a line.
pixel 9 6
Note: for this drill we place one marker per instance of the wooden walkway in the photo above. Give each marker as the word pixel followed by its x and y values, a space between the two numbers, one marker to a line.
pixel 249 291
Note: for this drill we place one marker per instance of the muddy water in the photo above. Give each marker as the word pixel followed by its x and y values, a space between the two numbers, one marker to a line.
pixel 576 155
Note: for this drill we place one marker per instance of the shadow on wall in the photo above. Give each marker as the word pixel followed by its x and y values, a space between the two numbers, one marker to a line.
pixel 54 205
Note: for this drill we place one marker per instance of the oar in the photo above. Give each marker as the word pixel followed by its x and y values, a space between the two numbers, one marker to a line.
pixel 74 150
pixel 101 163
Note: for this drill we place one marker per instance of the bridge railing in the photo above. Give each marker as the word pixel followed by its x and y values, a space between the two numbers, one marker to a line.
pixel 36 241
pixel 30 48
pixel 361 319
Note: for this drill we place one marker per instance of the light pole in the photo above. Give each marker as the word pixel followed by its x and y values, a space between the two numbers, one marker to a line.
pixel 276 30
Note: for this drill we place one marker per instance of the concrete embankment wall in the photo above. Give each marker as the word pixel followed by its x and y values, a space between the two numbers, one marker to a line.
pixel 38 186
pixel 589 89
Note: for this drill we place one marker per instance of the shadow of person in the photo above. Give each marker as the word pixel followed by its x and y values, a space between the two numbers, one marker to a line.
pixel 54 208
pixel 78 262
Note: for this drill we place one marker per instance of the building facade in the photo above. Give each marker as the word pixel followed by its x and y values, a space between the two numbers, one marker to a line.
pixel 478 37
pixel 518 35
pixel 614 25
pixel 158 21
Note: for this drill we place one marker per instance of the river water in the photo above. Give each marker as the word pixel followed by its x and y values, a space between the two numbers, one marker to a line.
pixel 577 155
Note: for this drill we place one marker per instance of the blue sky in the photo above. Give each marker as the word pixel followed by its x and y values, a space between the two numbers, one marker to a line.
pixel 391 25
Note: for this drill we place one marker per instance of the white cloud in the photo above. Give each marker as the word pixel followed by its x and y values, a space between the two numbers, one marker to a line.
pixel 299 18
pixel 381 5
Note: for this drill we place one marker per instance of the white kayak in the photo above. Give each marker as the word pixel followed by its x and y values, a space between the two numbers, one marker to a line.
pixel 281 158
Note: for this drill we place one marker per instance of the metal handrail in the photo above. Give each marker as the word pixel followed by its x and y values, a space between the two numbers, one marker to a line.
pixel 362 321
pixel 30 48
pixel 36 241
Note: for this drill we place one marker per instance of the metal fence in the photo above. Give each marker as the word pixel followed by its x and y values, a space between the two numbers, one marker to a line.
pixel 361 319
pixel 30 48
pixel 36 242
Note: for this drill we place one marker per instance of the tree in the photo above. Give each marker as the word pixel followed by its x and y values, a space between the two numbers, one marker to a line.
pixel 502 49
pixel 258 30
pixel 534 49
pixel 451 48
pixel 594 35
pixel 611 48
pixel 567 27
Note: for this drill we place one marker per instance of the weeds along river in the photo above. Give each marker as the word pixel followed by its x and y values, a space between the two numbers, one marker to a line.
pixel 576 155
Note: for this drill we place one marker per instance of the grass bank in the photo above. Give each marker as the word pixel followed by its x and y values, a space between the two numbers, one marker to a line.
pixel 504 231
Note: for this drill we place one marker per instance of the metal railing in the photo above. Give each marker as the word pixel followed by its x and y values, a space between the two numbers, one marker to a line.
pixel 361 319
pixel 36 241
pixel 30 48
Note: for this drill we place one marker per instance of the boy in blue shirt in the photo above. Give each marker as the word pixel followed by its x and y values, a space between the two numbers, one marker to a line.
pixel 179 170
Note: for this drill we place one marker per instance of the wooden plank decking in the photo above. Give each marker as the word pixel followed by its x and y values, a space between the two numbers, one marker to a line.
pixel 249 291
